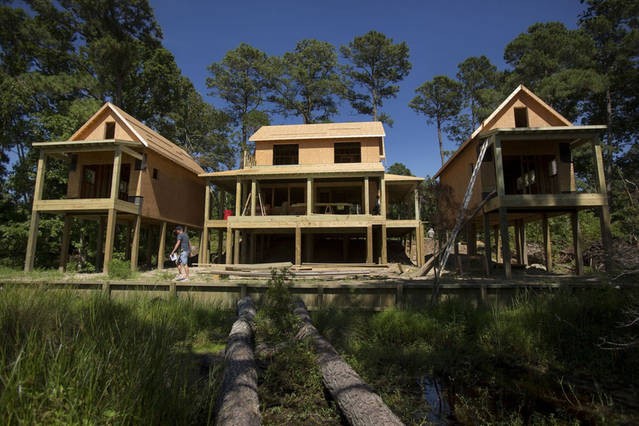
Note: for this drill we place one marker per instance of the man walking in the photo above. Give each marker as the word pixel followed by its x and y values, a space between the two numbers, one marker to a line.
pixel 184 245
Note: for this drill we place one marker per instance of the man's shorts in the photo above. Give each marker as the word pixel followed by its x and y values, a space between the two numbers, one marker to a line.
pixel 184 258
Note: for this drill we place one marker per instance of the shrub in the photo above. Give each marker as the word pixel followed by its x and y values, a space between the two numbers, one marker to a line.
pixel 120 269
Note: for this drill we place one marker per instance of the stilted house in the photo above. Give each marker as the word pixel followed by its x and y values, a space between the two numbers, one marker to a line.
pixel 120 172
pixel 528 174
pixel 314 193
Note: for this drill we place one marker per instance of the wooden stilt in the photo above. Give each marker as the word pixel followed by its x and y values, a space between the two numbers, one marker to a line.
pixel 66 239
pixel 162 246
pixel 309 196
pixel 545 230
pixel 236 247
pixel 498 257
pixel 35 215
pixel 367 196
pixel 110 239
pixel 524 244
pixel 298 245
pixel 135 247
pixel 518 243
pixel 369 244
pixel 576 243
pixel 229 246
pixel 505 243
pixel 384 251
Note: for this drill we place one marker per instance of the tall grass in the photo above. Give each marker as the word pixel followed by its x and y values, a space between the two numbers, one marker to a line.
pixel 66 359
pixel 519 362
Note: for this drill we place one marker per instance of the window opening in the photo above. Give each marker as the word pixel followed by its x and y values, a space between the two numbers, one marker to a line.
pixel 285 154
pixel 109 130
pixel 521 117
pixel 348 152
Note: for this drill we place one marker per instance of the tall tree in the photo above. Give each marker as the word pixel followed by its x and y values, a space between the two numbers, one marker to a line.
pixel 613 25
pixel 440 100
pixel 376 65
pixel 399 169
pixel 477 76
pixel 557 64
pixel 241 79
pixel 307 82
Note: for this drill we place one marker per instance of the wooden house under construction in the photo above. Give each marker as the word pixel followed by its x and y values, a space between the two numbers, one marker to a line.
pixel 314 193
pixel 528 174
pixel 120 173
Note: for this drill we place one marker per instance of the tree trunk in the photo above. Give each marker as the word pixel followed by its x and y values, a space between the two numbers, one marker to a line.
pixel 238 402
pixel 357 401
pixel 439 138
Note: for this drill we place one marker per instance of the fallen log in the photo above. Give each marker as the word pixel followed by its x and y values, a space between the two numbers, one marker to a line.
pixel 359 404
pixel 238 401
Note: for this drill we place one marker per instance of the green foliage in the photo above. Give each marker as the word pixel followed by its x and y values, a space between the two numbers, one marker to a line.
pixel 306 82
pixel 68 360
pixel 275 320
pixel 399 169
pixel 375 65
pixel 119 269
pixel 440 100
pixel 498 361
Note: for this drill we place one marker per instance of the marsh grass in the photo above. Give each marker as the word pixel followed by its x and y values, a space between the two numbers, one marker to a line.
pixel 66 359
pixel 536 361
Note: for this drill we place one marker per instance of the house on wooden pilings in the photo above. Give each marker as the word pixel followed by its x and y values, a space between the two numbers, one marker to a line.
pixel 527 174
pixel 121 172
pixel 314 193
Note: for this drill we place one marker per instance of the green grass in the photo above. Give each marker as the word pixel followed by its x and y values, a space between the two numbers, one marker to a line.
pixel 37 274
pixel 66 359
pixel 523 363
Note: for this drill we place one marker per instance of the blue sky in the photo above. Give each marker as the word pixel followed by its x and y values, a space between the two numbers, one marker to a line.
pixel 439 33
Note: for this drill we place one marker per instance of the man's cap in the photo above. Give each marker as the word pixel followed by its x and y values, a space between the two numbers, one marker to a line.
pixel 179 228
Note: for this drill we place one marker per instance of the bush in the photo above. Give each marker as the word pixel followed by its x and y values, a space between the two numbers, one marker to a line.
pixel 120 269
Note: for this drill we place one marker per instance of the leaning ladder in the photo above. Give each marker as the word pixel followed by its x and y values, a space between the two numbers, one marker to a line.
pixel 462 211
pixel 259 201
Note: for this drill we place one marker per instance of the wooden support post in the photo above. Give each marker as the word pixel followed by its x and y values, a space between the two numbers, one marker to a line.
pixel 35 215
pixel 109 241
pixel 204 257
pixel 419 244
pixel 369 244
pixel 384 251
pixel 253 196
pixel 135 247
pixel 472 239
pixel 505 243
pixel 416 204
pixel 576 243
pixel 66 238
pixel 382 200
pixel 99 242
pixel 524 244
pixel 488 259
pixel 499 167
pixel 236 247
pixel 229 246
pixel 498 257
pixel 309 196
pixel 518 243
pixel 367 196
pixel 545 230
pixel 238 198
pixel 298 246
pixel 162 246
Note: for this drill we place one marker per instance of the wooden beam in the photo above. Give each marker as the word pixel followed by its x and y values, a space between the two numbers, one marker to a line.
pixel 253 196
pixel 109 241
pixel 505 243
pixel 309 196
pixel 382 200
pixel 162 246
pixel 238 198
pixel 35 216
pixel 66 239
pixel 367 196
pixel 131 153
pixel 236 247
pixel 207 202
pixel 135 246
pixel 298 245
pixel 115 178
pixel 545 230
pixel 229 246
pixel 369 244
pixel 384 251
pixel 499 166
pixel 416 204
pixel 576 242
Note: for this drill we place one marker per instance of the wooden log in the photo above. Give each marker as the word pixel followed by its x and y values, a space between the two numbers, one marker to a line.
pixel 238 401
pixel 356 400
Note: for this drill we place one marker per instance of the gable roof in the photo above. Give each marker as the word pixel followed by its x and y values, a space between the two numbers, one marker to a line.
pixel 145 135
pixel 319 131
pixel 498 112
